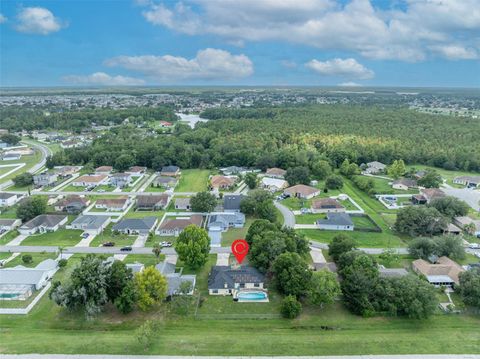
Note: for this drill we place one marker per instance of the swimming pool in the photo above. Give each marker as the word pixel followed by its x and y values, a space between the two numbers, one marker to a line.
pixel 252 296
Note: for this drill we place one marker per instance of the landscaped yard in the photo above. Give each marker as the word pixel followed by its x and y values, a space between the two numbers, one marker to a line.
pixel 9 212
pixel 108 235
pixel 141 214
pixel 193 180
pixel 61 238
pixel 9 236
pixel 37 257
pixel 309 218
pixel 146 259
pixel 447 175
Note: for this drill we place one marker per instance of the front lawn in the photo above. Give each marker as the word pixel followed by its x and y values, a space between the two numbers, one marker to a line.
pixel 194 180
pixel 309 218
pixel 9 236
pixel 61 238
pixel 146 259
pixel 236 233
pixel 37 257
pixel 362 239
pixel 108 235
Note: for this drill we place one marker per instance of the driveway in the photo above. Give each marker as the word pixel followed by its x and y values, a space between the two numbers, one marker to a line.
pixel 288 216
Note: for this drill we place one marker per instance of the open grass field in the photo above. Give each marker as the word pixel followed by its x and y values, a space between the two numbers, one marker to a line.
pixel 362 239
pixel 328 331
pixel 382 186
pixel 141 214
pixel 62 237
pixel 29 161
pixel 9 212
pixel 309 218
pixel 193 180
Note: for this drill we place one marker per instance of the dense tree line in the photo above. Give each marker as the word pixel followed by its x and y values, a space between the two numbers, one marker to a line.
pixel 296 137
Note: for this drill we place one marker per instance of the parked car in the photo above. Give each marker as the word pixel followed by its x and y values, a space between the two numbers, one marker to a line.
pixel 126 249
pixel 166 244
pixel 474 246
pixel 85 235
pixel 108 244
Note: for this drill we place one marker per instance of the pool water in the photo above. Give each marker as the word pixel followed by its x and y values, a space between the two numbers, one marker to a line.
pixel 9 295
pixel 252 296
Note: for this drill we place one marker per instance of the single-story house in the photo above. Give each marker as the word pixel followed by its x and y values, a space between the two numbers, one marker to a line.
pixel 468 181
pixel 336 222
pixel 170 171
pixel 89 180
pixel 175 278
pixel 302 191
pixel 136 225
pixel 152 202
pixel 466 221
pixel 90 223
pixel 136 170
pixel 222 182
pixel 231 202
pixel 120 179
pixel 43 223
pixel 11 156
pixel 18 283
pixel 326 205
pixel 233 170
pixel 8 199
pixel 45 179
pixel 404 184
pixel 444 272
pixel 375 167
pixel 273 184
pixel 65 171
pixel 453 229
pixel 275 173
pixel 70 144
pixel 113 204
pixel 419 174
pixel 72 204
pixel 419 199
pixel 391 272
pixel 225 280
pixel 103 170
pixel 9 224
pixel 432 193
pixel 175 226
pixel 165 124
pixel 226 220
pixel 183 204
pixel 165 182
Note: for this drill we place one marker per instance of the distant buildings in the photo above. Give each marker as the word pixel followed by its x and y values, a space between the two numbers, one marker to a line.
pixel 468 181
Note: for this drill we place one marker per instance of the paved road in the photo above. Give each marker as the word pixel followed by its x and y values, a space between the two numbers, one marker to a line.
pixel 288 216
pixel 367 356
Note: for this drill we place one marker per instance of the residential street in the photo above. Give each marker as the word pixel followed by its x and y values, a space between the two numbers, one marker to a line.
pixel 288 216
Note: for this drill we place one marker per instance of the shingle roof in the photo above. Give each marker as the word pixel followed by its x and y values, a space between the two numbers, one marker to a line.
pixel 90 221
pixel 138 224
pixel 275 171
pixel 221 275
pixel 336 219
pixel 326 203
pixel 152 200
pixel 46 220
pixel 218 180
pixel 21 275
pixel 169 169
pixel 232 201
pixel 112 202
pixel 443 267
pixel 181 223
pixel 302 189
pixel 4 195
pixel 182 202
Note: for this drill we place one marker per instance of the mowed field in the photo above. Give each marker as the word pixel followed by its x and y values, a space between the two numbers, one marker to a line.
pixel 193 180
pixel 328 331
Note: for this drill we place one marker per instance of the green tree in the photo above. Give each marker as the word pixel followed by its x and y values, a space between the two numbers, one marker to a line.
pixel 258 227
pixel 396 169
pixel 323 288
pixel 389 256
pixel 259 203
pixel 349 169
pixel 193 246
pixel 10 139
pixel 31 207
pixel 291 307
pixel 125 301
pixel 420 221
pixel 321 170
pixel 430 180
pixel 151 288
pixel 450 206
pixel 23 180
pixel 298 175
pixel 451 246
pixel 146 333
pixel 422 247
pixel 203 202
pixel 27 258
pixel 251 180
pixel 157 251
pixel 291 274
pixel 334 182
pixel 340 244
pixel 119 277
pixel 470 287
pixel 123 162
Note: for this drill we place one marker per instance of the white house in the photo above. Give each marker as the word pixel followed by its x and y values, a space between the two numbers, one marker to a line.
pixel 8 199
pixel 225 280
pixel 43 223
pixel 90 223
pixel 274 184
pixel 89 180
pixel 9 224
pixel 336 222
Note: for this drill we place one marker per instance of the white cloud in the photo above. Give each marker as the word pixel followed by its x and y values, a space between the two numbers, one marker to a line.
pixel 349 84
pixel 208 64
pixel 405 33
pixel 103 79
pixel 348 68
pixel 37 20
pixel 456 52
pixel 2 19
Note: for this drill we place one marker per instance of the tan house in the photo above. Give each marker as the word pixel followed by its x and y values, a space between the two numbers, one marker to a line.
pixel 404 184
pixel 302 191
pixel 175 226
pixel 327 205
pixel 103 170
pixel 432 193
pixel 444 272
pixel 222 182
pixel 275 173
pixel 112 204
pixel 89 180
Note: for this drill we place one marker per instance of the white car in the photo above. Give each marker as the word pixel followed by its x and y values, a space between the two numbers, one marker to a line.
pixel 166 244
pixel 474 246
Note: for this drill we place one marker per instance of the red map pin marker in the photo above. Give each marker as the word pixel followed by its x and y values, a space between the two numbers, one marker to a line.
pixel 240 249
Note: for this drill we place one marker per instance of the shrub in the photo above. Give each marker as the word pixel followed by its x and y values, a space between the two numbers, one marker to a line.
pixel 27 258
pixel 291 307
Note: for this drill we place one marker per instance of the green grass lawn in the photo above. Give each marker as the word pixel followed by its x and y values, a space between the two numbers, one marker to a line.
pixel 9 212
pixel 141 214
pixel 62 237
pixel 146 259
pixel 29 161
pixel 309 218
pixel 193 180
pixel 9 236
pixel 447 175
pixel 72 188
pixel 382 187
pixel 236 233
pixel 362 239
pixel 37 257
pixel 107 235
pixel 403 261
pixel 363 222
pixel 154 189
pixel 105 188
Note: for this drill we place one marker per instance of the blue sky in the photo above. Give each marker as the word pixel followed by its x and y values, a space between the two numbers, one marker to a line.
pixel 249 42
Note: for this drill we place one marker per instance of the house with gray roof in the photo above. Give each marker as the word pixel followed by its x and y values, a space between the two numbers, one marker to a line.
pixel 120 180
pixel 152 202
pixel 136 225
pixel 175 278
pixel 173 226
pixel 225 280
pixel 45 179
pixel 231 202
pixel 375 167
pixel 43 223
pixel 90 223
pixel 165 182
pixel 9 224
pixel 9 199
pixel 468 181
pixel 183 204
pixel 226 220
pixel 171 171
pixel 336 221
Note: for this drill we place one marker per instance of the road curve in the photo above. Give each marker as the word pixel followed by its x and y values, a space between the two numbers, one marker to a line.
pixel 288 216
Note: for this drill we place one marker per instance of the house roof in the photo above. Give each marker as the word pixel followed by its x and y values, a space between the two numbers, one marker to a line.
pixel 112 202
pixel 302 189
pixel 165 179
pixel 104 169
pixel 376 164
pixel 170 169
pixel 431 193
pixel 275 171
pixel 152 200
pixel 121 175
pixel 4 195
pixel 392 272
pixel 71 200
pixel 443 267
pixel 90 221
pixel 406 182
pixel 232 201
pixel 222 219
pixel 471 179
pixel 218 180
pixel 274 182
pixel 181 223
pixel 45 220
pixel 90 178
pixel 8 222
pixel 21 275
pixel 225 275
pixel 336 219
pixel 137 169
pixel 326 203
pixel 165 267
pixel 182 202
pixel 137 224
